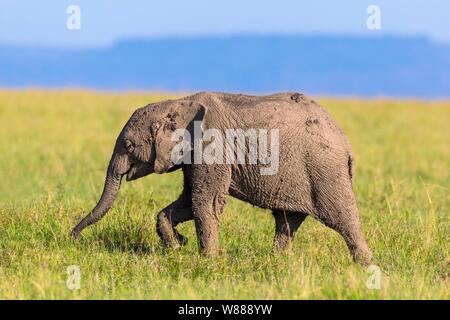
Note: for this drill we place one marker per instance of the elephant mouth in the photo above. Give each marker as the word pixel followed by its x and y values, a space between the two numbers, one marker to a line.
pixel 130 173
pixel 137 171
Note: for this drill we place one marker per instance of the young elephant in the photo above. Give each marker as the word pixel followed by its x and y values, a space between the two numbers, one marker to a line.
pixel 312 175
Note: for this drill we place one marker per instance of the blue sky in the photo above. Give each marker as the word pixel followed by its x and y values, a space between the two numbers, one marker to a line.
pixel 104 22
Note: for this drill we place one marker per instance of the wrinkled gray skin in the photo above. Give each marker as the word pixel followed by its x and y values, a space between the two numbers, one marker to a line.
pixel 314 177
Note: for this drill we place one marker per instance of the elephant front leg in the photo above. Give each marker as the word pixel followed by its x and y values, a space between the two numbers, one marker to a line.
pixel 207 224
pixel 210 186
pixel 168 219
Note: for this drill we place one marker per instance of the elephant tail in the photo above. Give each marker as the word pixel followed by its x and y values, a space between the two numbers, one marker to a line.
pixel 351 166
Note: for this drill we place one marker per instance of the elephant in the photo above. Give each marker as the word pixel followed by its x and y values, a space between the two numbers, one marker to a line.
pixel 313 177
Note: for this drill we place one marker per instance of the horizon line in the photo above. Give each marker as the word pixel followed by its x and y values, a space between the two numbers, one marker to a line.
pixel 226 36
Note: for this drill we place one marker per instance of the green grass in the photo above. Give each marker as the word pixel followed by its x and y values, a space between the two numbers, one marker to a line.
pixel 54 149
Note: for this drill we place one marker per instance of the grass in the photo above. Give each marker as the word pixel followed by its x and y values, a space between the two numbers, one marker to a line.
pixel 55 147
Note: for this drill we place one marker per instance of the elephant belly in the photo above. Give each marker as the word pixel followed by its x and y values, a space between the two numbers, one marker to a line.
pixel 289 191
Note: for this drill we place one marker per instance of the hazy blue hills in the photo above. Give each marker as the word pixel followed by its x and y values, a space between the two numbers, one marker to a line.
pixel 390 66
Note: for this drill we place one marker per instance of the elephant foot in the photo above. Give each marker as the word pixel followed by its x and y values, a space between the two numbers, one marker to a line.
pixel 165 227
pixel 210 247
pixel 212 252
pixel 363 256
pixel 172 239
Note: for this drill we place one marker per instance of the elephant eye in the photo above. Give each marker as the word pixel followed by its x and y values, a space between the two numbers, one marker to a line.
pixel 129 146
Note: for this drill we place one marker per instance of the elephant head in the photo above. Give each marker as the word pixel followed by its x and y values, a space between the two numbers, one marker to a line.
pixel 144 146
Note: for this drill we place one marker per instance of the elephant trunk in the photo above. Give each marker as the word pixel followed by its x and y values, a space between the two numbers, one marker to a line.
pixel 110 190
pixel 118 166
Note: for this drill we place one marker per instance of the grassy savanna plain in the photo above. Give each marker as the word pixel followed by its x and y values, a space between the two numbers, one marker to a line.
pixel 55 147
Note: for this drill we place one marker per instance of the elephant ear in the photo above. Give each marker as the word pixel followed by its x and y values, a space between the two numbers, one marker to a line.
pixel 181 115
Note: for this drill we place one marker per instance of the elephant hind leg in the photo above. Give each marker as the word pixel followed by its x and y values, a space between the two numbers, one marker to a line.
pixel 286 224
pixel 335 207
